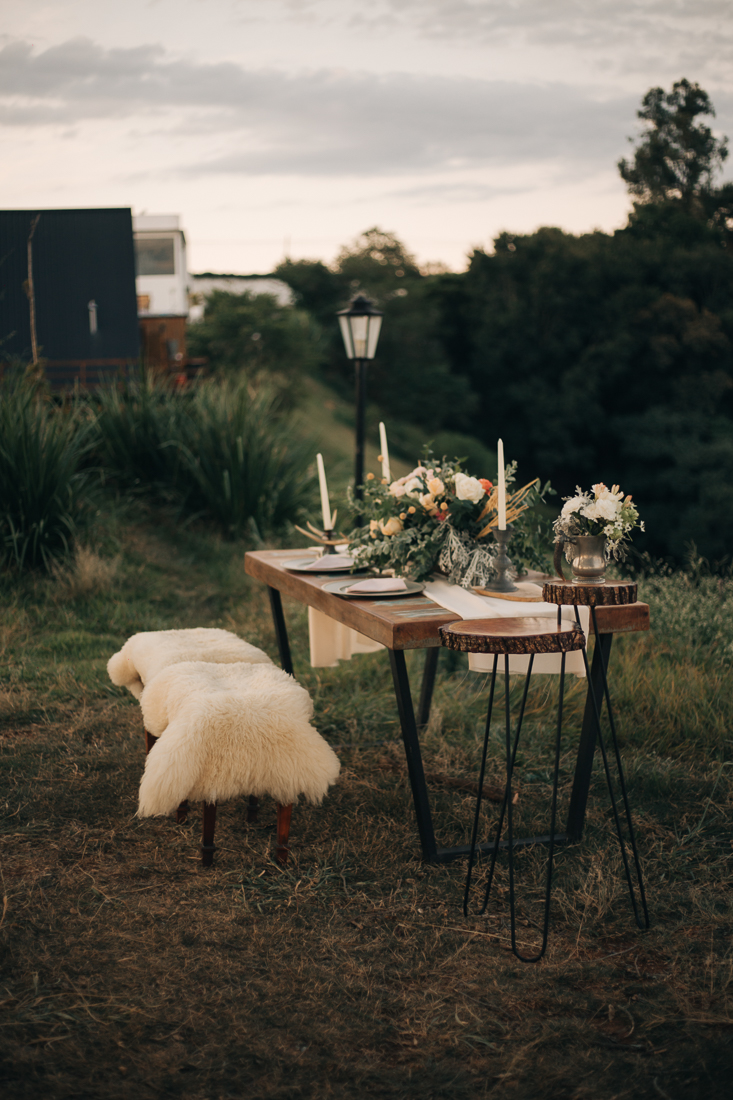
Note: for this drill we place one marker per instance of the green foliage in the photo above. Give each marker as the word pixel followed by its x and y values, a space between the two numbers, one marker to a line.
pixel 241 464
pixel 677 156
pixel 610 358
pixel 224 450
pixel 134 425
pixel 43 487
pixel 410 378
pixel 437 518
pixel 253 333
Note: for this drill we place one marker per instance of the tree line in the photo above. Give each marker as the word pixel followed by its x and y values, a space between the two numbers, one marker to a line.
pixel 599 356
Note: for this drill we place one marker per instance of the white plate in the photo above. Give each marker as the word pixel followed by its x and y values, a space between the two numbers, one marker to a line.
pixel 336 588
pixel 308 565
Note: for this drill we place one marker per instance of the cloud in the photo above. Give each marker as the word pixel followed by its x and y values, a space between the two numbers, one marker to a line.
pixel 700 27
pixel 326 122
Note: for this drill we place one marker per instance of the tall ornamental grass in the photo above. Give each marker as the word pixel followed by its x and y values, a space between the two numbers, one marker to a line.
pixel 222 450
pixel 241 463
pixel 43 483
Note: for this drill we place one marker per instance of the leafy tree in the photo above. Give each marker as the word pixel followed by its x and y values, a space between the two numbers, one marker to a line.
pixel 677 156
pixel 255 334
pixel 410 378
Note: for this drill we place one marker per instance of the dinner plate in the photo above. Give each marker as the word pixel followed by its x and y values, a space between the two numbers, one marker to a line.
pixel 336 588
pixel 305 565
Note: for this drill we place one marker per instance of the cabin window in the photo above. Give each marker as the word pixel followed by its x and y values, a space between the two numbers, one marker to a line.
pixel 154 257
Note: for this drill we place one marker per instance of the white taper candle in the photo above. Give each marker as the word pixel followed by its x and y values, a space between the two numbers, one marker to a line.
pixel 502 486
pixel 325 506
pixel 385 452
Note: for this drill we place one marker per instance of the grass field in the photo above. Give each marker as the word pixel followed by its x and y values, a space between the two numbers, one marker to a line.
pixel 128 971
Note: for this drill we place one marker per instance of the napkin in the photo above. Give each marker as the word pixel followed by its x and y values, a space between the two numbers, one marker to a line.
pixel 378 584
pixel 328 562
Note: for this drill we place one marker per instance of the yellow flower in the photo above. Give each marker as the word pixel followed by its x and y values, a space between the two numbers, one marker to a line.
pixel 384 481
pixel 393 526
pixel 370 477
pixel 403 515
pixel 380 458
pixel 444 507
pixel 411 510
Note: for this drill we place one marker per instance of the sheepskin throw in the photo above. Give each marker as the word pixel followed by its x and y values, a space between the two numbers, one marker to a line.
pixel 226 730
pixel 144 655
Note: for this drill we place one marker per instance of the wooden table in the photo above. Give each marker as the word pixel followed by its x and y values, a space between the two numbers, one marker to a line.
pixel 412 622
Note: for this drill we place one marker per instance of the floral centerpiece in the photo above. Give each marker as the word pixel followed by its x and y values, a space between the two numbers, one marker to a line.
pixel 438 518
pixel 601 512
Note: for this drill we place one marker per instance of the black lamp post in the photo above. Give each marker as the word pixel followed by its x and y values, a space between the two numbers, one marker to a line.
pixel 360 325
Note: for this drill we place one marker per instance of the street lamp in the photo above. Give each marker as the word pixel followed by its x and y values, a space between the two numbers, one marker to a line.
pixel 360 325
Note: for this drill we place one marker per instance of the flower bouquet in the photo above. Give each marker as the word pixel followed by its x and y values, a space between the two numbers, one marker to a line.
pixel 603 513
pixel 438 518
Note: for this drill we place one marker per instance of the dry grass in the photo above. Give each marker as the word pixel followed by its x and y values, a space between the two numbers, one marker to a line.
pixel 128 971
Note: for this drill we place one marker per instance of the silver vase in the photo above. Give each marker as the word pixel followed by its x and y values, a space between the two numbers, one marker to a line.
pixel 587 558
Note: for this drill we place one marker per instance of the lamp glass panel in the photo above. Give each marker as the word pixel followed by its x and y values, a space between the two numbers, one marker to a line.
pixel 346 333
pixel 359 333
pixel 375 324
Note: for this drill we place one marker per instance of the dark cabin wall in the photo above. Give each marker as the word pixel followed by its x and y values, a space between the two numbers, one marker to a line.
pixel 78 255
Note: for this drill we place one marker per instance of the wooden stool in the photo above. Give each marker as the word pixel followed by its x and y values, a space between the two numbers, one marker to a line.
pixel 527 636
pixel 284 815
pixel 502 637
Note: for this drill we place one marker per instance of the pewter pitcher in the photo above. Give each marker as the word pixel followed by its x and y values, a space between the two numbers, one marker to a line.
pixel 589 558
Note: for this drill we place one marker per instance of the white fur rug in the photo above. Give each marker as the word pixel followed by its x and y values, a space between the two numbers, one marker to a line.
pixel 226 730
pixel 144 655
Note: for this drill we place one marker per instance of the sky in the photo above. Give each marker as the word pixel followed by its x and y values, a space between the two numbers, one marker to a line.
pixel 288 127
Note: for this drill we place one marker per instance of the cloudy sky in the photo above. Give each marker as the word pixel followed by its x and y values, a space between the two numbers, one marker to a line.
pixel 289 126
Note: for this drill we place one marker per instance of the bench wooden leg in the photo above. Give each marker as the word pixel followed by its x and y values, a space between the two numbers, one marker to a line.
pixel 149 741
pixel 207 841
pixel 182 812
pixel 284 814
pixel 253 804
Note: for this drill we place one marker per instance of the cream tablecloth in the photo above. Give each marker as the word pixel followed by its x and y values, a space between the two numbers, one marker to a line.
pixel 331 642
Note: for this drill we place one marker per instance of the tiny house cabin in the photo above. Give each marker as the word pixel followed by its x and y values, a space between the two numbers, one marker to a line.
pixel 67 293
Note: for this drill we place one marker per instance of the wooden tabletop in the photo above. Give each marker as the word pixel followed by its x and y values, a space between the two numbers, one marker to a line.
pixel 402 622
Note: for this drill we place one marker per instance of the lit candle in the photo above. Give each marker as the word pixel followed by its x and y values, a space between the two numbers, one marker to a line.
pixel 502 486
pixel 385 452
pixel 325 506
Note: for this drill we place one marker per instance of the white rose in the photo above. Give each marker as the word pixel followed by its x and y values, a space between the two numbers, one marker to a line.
pixel 468 488
pixel 590 511
pixel 393 526
pixel 397 488
pixel 572 505
pixel 412 484
pixel 436 486
pixel 607 508
pixel 427 502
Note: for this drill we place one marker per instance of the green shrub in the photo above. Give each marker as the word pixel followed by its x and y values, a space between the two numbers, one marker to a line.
pixel 237 461
pixel 133 426
pixel 223 450
pixel 43 485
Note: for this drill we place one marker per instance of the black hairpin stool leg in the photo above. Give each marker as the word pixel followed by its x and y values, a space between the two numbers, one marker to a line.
pixel 622 783
pixel 506 809
pixel 551 845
